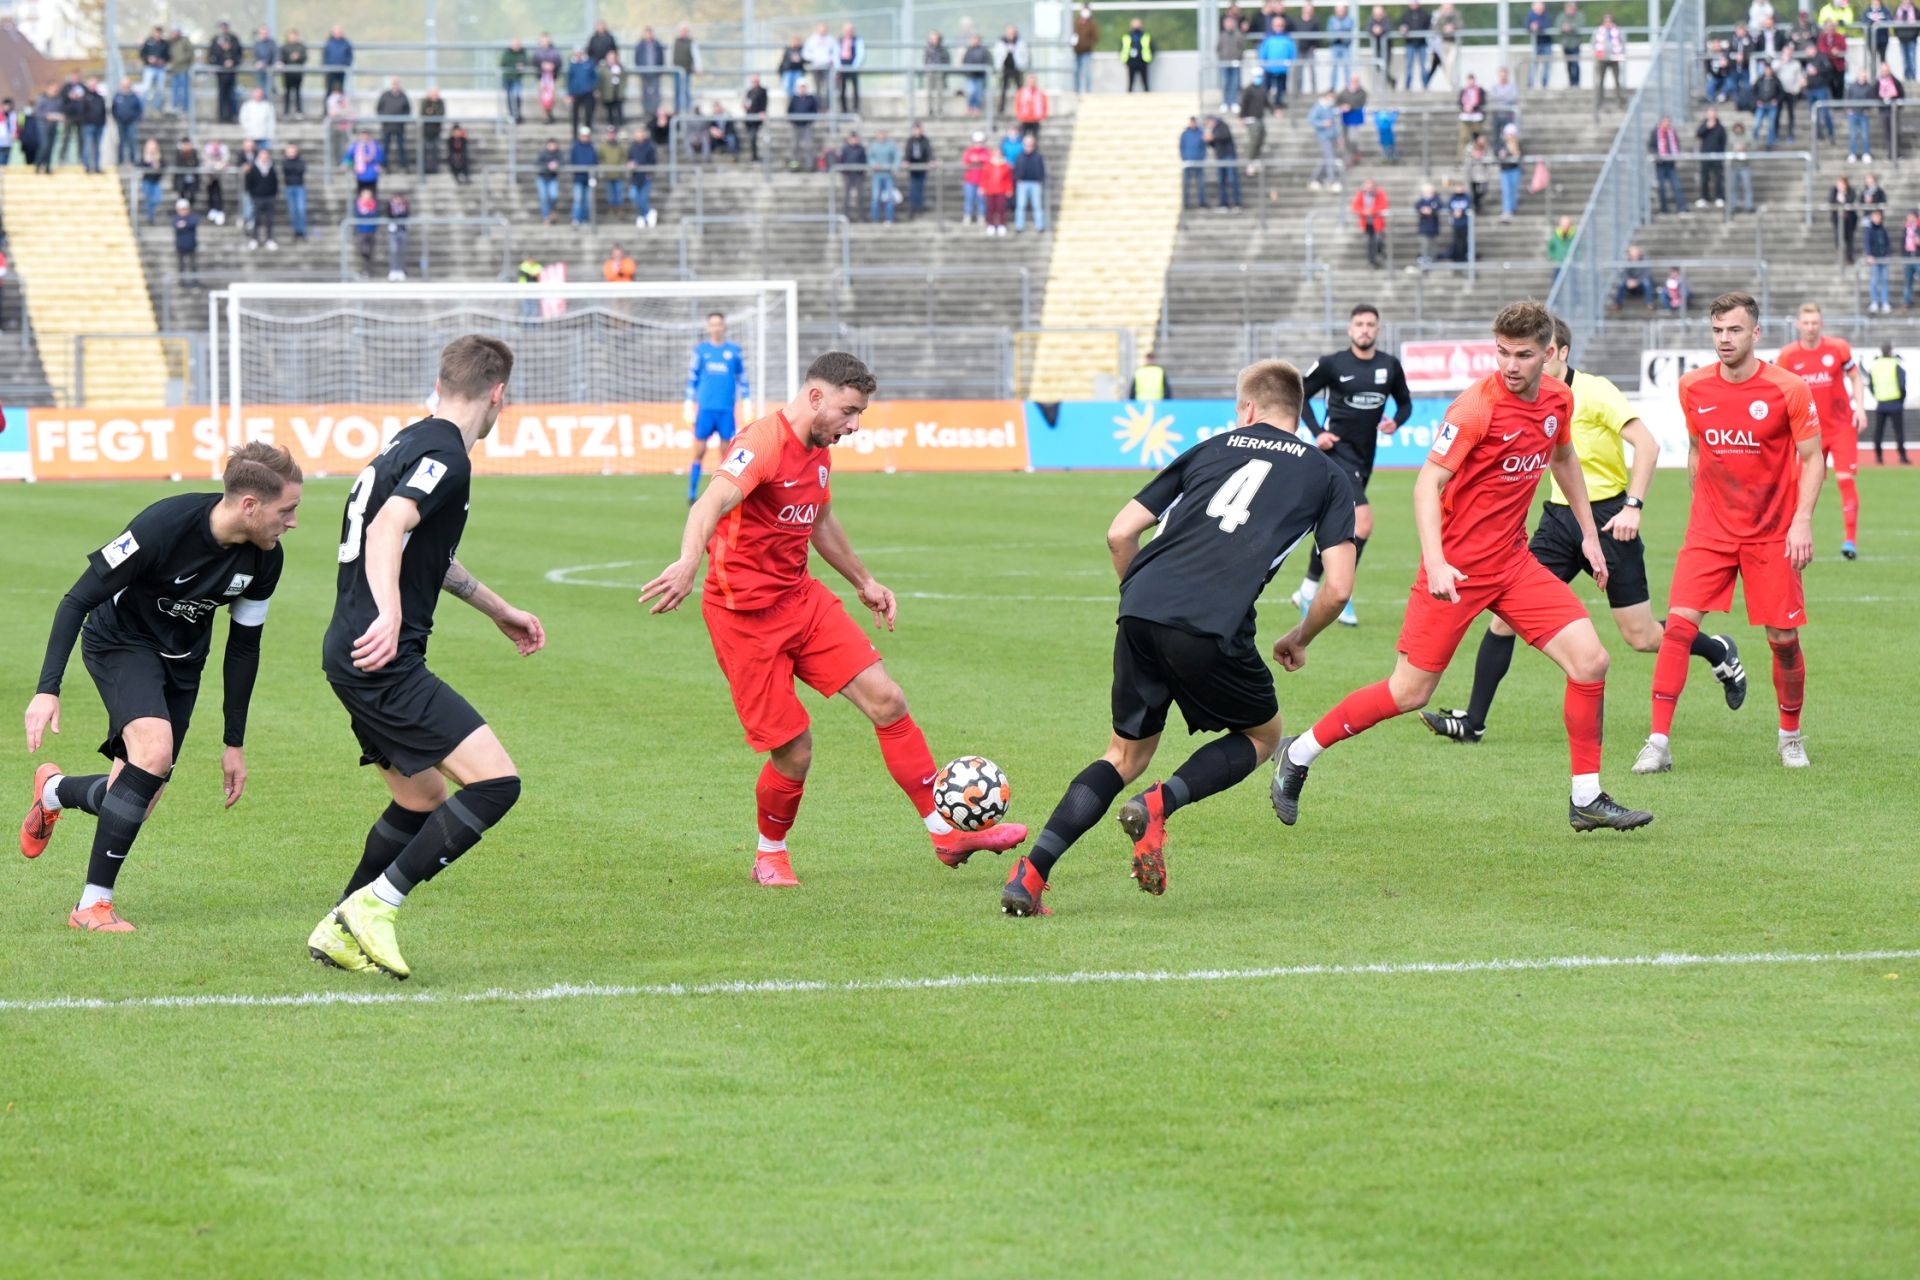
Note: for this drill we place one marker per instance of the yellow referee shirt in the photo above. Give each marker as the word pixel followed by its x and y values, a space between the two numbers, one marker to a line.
pixel 1599 411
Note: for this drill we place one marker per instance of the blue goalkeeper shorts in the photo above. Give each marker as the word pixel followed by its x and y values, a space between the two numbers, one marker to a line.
pixel 712 421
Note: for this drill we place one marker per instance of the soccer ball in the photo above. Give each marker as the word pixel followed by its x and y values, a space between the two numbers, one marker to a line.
pixel 971 793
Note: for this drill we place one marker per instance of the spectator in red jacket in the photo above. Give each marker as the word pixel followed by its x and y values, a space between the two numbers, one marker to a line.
pixel 1031 107
pixel 1370 206
pixel 973 172
pixel 997 185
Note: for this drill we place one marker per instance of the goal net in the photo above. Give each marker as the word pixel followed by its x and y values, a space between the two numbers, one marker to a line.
pixel 600 371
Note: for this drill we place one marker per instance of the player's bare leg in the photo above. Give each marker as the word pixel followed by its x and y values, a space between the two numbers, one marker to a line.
pixel 132 793
pixel 1409 688
pixel 1576 650
pixel 1219 765
pixel 910 762
pixel 489 788
pixel 783 780
pixel 1087 799
pixel 1790 686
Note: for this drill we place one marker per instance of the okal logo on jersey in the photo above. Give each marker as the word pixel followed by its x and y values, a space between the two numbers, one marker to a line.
pixel 1757 411
pixel 1530 464
pixel 1736 439
pixel 799 513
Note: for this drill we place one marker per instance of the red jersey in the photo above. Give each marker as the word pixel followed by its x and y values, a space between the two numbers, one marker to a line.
pixel 1747 479
pixel 1825 369
pixel 758 555
pixel 1496 445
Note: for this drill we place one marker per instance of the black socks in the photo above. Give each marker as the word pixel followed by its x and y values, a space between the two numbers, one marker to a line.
pixel 1087 800
pixel 122 810
pixel 451 830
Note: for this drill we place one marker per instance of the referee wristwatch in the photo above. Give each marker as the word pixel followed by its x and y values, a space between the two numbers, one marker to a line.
pixel 1635 503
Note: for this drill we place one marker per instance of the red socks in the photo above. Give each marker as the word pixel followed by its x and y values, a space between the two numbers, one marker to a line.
pixel 779 799
pixel 1849 507
pixel 909 760
pixel 1356 713
pixel 1789 682
pixel 1669 671
pixel 1584 709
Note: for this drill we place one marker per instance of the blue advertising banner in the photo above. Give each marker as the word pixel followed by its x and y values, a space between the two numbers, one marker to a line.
pixel 16 463
pixel 1136 434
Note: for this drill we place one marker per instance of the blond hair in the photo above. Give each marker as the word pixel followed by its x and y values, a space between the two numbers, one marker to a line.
pixel 1272 384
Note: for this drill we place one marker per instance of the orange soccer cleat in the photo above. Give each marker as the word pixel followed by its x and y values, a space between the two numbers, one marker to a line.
pixel 956 846
pixel 99 918
pixel 1144 819
pixel 774 869
pixel 37 829
pixel 1021 897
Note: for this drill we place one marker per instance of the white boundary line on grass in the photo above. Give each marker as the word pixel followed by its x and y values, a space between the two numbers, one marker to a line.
pixel 802 986
pixel 564 576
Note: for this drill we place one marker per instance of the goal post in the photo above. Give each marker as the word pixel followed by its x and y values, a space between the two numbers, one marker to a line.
pixel 599 378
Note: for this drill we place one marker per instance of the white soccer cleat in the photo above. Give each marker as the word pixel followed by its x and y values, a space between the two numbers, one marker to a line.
pixel 1653 758
pixel 1793 751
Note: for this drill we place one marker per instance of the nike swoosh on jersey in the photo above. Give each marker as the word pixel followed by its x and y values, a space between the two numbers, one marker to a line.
pixel 1514 436
pixel 189 578
pixel 788 484
pixel 1705 408
pixel 1346 377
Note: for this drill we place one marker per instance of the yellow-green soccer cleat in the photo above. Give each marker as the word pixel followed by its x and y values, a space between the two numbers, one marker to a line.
pixel 370 921
pixel 332 945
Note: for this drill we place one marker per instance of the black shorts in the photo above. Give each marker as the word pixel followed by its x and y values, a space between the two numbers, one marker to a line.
pixel 1218 684
pixel 1556 544
pixel 1355 466
pixel 407 720
pixel 138 684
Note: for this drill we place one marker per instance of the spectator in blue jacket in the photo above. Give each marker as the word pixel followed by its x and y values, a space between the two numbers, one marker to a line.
pixel 127 110
pixel 642 158
pixel 1010 144
pixel 583 86
pixel 1193 154
pixel 336 55
pixel 186 236
pixel 1277 54
pixel 582 159
pixel 1030 187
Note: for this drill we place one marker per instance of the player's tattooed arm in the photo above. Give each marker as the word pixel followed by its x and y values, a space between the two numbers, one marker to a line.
pixel 459 583
pixel 519 626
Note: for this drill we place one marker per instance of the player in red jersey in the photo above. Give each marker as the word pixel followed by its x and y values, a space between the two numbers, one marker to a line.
pixel 771 620
pixel 1470 505
pixel 1840 398
pixel 1753 449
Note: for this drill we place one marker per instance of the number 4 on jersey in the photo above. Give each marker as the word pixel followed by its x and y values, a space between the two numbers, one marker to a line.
pixel 1232 502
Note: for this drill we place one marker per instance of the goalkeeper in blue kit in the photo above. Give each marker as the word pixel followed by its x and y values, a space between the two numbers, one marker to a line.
pixel 716 384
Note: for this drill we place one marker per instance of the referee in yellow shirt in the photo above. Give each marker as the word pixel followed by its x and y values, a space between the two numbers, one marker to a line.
pixel 1603 423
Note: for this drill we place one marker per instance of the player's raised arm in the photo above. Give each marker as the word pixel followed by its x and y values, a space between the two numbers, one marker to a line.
pixel 830 539
pixel 674 583
pixel 519 626
pixel 385 540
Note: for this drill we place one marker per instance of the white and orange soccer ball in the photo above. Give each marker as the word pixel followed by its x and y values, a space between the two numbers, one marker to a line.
pixel 971 793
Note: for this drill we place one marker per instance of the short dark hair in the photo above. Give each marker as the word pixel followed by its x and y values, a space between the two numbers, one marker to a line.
pixel 838 369
pixel 721 316
pixel 261 469
pixel 1364 309
pixel 474 364
pixel 1562 335
pixel 1728 302
pixel 1524 320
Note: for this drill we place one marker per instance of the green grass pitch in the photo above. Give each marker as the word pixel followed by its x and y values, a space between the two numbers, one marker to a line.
pixel 1729 1120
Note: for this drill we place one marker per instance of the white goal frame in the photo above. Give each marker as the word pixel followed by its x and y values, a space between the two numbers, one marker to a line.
pixel 225 346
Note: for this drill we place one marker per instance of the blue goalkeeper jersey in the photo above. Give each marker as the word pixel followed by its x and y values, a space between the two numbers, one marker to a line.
pixel 717 378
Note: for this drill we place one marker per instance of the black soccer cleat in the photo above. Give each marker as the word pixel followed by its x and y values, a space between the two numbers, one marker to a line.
pixel 1288 778
pixel 1603 812
pixel 1731 675
pixel 1452 725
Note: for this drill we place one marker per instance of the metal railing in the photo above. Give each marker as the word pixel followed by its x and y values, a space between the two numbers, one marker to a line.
pixel 1623 191
pixel 418 236
pixel 754 244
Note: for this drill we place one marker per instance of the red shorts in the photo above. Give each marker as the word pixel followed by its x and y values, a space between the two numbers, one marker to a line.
pixel 1528 598
pixel 1703 579
pixel 808 635
pixel 1841 446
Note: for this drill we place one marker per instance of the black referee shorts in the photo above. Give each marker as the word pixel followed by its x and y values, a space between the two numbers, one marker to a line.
pixel 1556 544
pixel 407 720
pixel 1356 466
pixel 1218 684
pixel 139 684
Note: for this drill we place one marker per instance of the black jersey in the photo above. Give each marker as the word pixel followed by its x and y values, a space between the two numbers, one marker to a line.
pixel 160 582
pixel 428 463
pixel 1357 393
pixel 1231 508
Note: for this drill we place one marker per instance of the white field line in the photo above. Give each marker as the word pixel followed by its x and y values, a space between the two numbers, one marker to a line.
pixel 856 986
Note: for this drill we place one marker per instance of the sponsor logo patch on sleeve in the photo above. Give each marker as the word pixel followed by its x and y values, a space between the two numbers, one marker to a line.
pixel 737 462
pixel 115 553
pixel 1443 439
pixel 427 475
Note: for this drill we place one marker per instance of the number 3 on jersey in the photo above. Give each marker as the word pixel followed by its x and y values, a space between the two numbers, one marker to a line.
pixel 353 535
pixel 1232 502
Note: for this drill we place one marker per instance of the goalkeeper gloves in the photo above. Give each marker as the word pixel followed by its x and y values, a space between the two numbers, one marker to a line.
pixel 687 412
